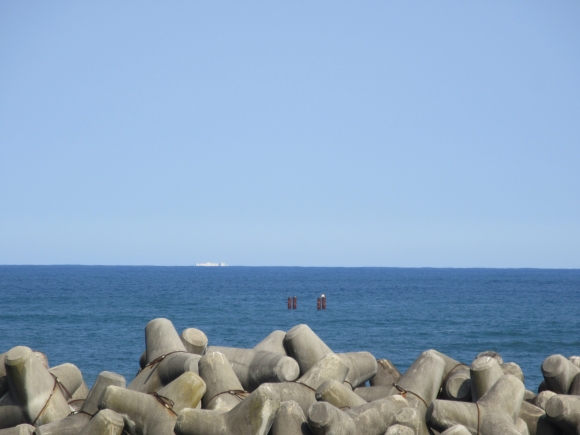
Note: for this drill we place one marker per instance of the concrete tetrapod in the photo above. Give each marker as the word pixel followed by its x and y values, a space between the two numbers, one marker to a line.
pixel 164 371
pixel 558 373
pixel 362 366
pixel 521 427
pixel 303 391
pixel 338 394
pixel 253 368
pixel 491 353
pixel 574 389
pixel 34 388
pixel 421 382
pixel 542 398
pixel 575 360
pixel 302 344
pixel 161 339
pixel 496 412
pixel 71 379
pixel 374 393
pixel 274 343
pixel 511 368
pixel 564 411
pixel 154 414
pixel 399 429
pixel 457 429
pixel 536 420
pixel 484 372
pixel 223 388
pixel 253 416
pixel 105 422
pixel 290 420
pixel 457 386
pixel 194 341
pixel 21 429
pixel 529 396
pixel 370 419
pixel 10 412
pixel 387 374
pixel 162 346
pixel 410 417
pixel 74 423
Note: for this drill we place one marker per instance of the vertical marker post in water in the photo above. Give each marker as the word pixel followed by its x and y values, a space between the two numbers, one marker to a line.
pixel 295 302
pixel 323 299
pixel 289 303
pixel 319 304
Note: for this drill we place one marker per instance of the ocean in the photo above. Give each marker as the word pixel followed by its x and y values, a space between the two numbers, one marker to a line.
pixel 94 316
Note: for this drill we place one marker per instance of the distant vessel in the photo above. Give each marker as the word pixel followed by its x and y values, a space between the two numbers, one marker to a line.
pixel 211 264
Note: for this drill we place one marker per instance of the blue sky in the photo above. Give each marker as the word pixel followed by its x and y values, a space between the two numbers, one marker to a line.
pixel 379 133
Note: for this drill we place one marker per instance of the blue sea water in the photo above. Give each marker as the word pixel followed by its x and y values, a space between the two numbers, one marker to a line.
pixel 94 316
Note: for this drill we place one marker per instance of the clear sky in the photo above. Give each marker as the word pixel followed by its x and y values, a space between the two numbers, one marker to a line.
pixel 309 133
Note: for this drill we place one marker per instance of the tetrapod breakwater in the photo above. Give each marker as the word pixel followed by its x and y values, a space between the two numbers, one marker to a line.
pixel 290 383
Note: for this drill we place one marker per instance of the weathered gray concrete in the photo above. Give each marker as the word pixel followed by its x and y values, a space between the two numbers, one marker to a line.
pixel 253 416
pixel 221 382
pixel 564 411
pixel 444 414
pixel 558 373
pixel 338 394
pixel 10 412
pixel 413 419
pixel 575 386
pixel 71 378
pixel 423 379
pixel 290 420
pixel 362 366
pixel 33 387
pixel 302 344
pixel 542 398
pixel 457 429
pixel 499 409
pixel 375 393
pixel 493 354
pixel 146 414
pixel 91 405
pixel 303 390
pixel 371 419
pixel 105 422
pixel 173 366
pixel 575 360
pixel 529 396
pixel 273 343
pixel 254 368
pixel 70 425
pixel 485 372
pixel 457 385
pixel 162 345
pixel 521 427
pixel 74 423
pixel 161 338
pixel 450 363
pixel 329 367
pixel 386 375
pixel 194 340
pixel 536 420
pixel 513 369
pixel 399 429
pixel 161 373
pixel 21 429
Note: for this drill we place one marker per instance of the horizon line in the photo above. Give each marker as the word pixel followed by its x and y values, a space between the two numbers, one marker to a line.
pixel 287 266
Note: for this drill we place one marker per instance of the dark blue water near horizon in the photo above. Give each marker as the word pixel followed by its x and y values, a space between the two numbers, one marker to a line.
pixel 94 316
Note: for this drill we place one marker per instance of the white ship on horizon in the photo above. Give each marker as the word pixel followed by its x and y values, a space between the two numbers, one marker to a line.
pixel 208 264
